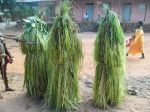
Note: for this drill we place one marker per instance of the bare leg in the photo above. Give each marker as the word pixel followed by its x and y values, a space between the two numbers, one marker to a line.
pixel 1 69
pixel 5 78
pixel 1 97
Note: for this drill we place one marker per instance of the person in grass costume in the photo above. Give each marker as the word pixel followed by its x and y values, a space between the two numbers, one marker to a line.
pixel 64 53
pixel 35 80
pixel 109 83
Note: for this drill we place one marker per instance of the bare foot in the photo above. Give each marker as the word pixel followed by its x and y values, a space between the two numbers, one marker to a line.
pixel 142 57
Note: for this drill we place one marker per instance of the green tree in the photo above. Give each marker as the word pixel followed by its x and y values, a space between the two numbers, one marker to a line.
pixel 7 4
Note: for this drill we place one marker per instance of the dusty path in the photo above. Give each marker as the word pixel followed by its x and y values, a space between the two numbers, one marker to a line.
pixel 138 75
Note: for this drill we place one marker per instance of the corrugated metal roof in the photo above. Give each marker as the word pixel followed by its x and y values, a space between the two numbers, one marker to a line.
pixel 32 0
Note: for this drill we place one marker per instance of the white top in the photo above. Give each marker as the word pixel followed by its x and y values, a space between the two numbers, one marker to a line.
pixel 86 16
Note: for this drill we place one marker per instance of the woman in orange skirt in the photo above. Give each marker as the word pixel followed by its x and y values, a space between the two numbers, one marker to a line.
pixel 137 44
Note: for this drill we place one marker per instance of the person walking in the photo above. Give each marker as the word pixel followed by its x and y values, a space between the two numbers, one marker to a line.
pixel 137 41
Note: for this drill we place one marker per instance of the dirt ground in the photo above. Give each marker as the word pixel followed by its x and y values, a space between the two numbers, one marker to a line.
pixel 138 76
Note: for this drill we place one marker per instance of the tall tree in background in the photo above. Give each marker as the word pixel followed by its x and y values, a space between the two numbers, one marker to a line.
pixel 7 4
pixel 7 7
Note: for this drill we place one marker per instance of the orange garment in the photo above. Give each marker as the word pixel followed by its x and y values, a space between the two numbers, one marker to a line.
pixel 137 45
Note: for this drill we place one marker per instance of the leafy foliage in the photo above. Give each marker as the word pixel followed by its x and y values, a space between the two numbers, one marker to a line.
pixel 22 11
pixel 109 85
pixel 7 4
pixel 65 55
pixel 35 81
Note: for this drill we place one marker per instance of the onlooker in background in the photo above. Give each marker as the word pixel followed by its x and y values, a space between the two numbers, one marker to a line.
pixel 86 17
pixel 98 21
pixel 99 18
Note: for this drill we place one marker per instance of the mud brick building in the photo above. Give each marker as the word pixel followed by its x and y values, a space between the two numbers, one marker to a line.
pixel 129 11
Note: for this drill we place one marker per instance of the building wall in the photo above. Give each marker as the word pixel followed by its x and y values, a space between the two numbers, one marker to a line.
pixel 43 5
pixel 147 20
pixel 49 8
pixel 79 9
pixel 136 14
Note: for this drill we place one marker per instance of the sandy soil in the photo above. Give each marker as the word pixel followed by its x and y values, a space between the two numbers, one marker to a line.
pixel 138 76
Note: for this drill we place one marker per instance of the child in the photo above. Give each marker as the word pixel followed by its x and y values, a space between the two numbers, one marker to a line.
pixel 5 58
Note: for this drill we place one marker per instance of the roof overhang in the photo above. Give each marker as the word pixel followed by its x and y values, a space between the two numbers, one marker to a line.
pixel 33 0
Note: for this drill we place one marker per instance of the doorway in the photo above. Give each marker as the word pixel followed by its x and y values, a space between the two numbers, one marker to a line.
pixel 89 10
pixel 126 11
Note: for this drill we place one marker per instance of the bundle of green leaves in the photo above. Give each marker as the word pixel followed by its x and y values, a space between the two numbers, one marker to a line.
pixel 35 31
pixel 109 83
pixel 65 55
